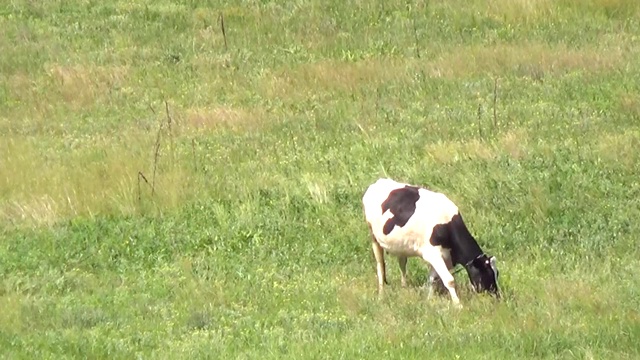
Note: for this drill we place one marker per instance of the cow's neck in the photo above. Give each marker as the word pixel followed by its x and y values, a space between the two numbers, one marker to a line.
pixel 464 254
pixel 463 246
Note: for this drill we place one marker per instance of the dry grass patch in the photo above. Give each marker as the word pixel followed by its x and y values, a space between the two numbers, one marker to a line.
pixel 529 60
pixel 11 316
pixel 533 11
pixel 563 293
pixel 514 143
pixel 331 75
pixel 65 190
pixel 534 60
pixel 539 203
pixel 96 188
pixel 520 11
pixel 620 7
pixel 352 296
pixel 621 148
pixel 21 85
pixel 454 151
pixel 562 296
pixel 630 104
pixel 26 91
pixel 40 210
pixel 210 118
pixel 347 76
pixel 317 188
pixel 80 86
pixel 41 185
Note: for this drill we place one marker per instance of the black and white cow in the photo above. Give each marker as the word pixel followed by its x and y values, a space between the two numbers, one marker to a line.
pixel 407 221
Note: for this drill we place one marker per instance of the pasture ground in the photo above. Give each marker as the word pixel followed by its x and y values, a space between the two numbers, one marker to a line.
pixel 168 192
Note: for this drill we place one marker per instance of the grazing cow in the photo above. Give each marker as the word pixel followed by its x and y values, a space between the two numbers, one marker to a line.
pixel 407 221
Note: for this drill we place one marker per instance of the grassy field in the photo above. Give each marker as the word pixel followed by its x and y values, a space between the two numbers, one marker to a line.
pixel 168 191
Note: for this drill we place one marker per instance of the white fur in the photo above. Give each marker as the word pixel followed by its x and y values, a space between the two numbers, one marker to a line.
pixel 411 240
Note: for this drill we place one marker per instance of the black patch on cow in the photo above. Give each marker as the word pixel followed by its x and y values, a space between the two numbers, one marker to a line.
pixel 454 235
pixel 402 204
pixel 441 236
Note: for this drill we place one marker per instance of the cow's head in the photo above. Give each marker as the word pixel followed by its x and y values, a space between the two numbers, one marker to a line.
pixel 483 274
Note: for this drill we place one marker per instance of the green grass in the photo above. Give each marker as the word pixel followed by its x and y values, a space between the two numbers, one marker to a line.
pixel 248 241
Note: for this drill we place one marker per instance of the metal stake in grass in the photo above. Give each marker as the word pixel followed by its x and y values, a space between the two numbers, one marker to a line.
pixel 169 119
pixel 156 155
pixel 415 35
pixel 224 35
pixel 495 99
pixel 193 150
pixel 141 176
pixel 170 133
pixel 480 120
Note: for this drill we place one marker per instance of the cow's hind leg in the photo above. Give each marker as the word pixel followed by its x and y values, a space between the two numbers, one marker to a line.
pixel 378 252
pixel 440 267
pixel 402 261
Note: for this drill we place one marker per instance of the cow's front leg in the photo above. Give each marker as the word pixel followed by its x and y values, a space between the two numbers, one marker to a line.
pixel 435 284
pixel 440 267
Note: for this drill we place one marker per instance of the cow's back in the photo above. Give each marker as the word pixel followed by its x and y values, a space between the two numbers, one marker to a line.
pixel 431 208
pixel 375 195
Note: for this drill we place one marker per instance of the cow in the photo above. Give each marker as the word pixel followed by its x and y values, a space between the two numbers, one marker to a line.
pixel 408 221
